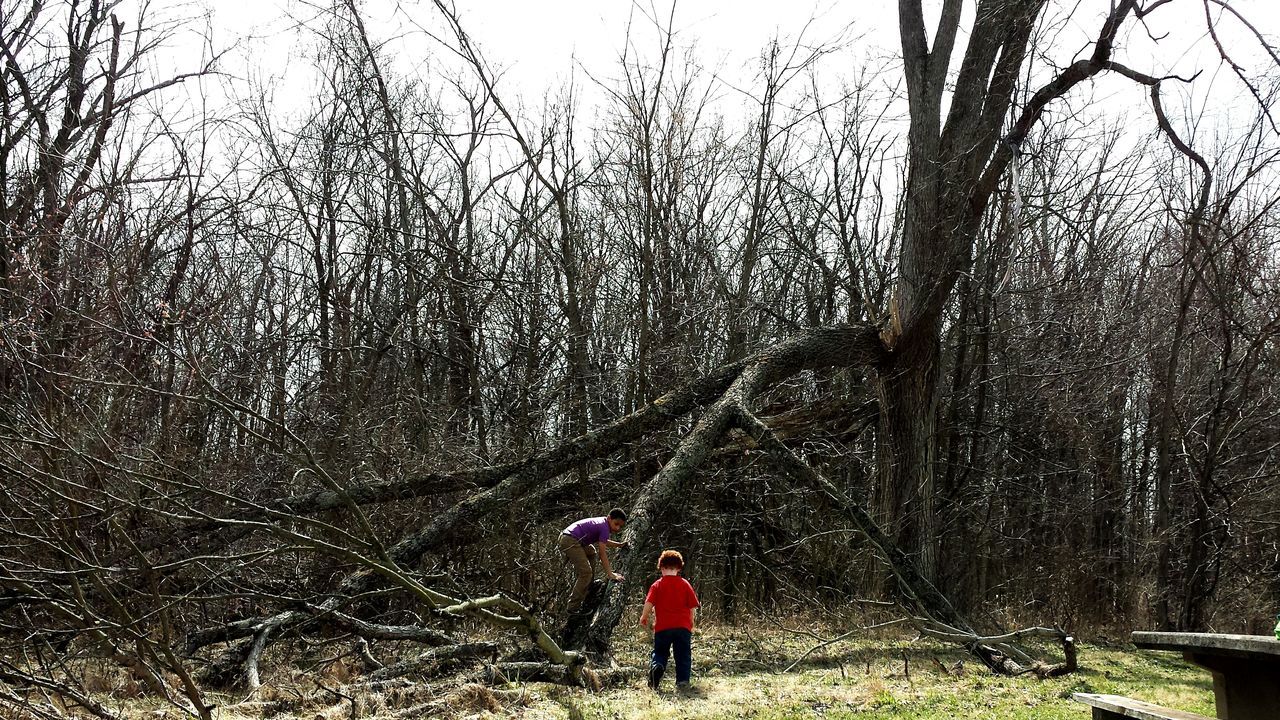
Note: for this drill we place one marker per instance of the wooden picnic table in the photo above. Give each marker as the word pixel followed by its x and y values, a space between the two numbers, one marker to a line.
pixel 1245 668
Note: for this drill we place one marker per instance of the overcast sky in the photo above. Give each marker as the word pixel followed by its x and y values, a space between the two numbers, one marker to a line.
pixel 543 35
pixel 539 40
pixel 541 43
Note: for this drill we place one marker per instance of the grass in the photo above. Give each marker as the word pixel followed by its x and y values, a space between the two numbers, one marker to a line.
pixel 872 679
pixel 738 674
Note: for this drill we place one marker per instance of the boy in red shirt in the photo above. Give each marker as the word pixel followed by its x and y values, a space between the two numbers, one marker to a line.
pixel 671 603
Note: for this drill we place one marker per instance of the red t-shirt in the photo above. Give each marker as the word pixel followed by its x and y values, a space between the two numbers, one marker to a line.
pixel 673 602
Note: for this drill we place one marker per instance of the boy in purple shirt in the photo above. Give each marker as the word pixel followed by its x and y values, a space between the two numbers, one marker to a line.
pixel 579 543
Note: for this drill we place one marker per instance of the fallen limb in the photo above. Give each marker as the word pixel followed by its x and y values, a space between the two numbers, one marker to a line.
pixel 506 673
pixel 1014 661
pixel 916 589
pixel 432 659
pixel 939 616
pixel 375 631
pixel 832 641
pixel 1002 644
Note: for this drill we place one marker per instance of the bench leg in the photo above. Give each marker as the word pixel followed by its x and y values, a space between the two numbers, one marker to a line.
pixel 1101 714
pixel 1244 689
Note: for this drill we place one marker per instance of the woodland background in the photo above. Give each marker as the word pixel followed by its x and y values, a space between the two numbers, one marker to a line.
pixel 405 281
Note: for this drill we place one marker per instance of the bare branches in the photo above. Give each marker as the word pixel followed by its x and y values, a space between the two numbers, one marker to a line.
pixel 257 379
pixel 433 658
pixel 22 685
pixel 825 643
pixel 1263 103
pixel 1070 77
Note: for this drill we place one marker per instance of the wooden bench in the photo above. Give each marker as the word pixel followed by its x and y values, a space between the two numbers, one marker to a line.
pixel 1245 669
pixel 1112 707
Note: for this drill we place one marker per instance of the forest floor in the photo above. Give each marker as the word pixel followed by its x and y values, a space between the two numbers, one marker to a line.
pixel 739 673
pixel 872 678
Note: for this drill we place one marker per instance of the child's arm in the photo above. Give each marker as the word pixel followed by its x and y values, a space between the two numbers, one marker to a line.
pixel 693 619
pixel 604 562
pixel 645 614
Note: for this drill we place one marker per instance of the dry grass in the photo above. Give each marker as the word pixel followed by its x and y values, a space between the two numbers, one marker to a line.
pixel 737 673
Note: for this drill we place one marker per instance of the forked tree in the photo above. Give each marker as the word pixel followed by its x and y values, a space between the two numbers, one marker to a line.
pixel 966 126
pixel 965 131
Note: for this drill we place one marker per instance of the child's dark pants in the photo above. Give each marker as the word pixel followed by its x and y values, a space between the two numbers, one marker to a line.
pixel 679 640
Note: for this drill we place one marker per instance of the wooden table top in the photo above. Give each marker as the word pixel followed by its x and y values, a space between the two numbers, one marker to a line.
pixel 1254 646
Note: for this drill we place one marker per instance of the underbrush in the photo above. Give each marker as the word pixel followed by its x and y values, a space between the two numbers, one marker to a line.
pixel 739 672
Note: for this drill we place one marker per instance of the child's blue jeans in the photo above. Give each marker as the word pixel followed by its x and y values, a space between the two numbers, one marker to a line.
pixel 679 640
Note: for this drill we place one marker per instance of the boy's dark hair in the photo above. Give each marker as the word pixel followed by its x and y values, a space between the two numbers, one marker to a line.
pixel 670 559
pixel 617 514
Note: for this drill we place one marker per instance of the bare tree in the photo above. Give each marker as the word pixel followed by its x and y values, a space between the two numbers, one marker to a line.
pixel 270 393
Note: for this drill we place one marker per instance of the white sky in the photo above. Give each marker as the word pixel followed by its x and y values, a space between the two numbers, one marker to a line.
pixel 538 40
pixel 540 43
pixel 543 35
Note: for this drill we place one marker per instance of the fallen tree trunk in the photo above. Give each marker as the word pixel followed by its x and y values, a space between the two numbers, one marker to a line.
pixel 543 474
pixel 855 345
pixel 1011 659
pixel 733 410
pixel 432 660
pixel 727 395
pixel 996 652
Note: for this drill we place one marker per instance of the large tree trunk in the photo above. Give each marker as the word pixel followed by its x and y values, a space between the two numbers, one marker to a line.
pixel 955 164
pixel 905 450
pixel 954 170
pixel 821 347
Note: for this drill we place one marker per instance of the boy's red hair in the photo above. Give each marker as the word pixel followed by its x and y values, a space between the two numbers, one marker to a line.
pixel 670 559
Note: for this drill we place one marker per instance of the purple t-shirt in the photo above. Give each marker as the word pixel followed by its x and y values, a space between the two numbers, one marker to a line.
pixel 589 531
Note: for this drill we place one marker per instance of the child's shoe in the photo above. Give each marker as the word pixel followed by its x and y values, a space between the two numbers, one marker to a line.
pixel 684 687
pixel 655 676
